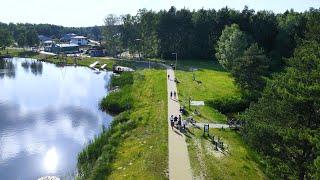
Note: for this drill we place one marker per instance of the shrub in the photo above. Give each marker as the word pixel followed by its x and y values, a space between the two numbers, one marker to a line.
pixel 229 104
pixel 118 101
pixel 126 78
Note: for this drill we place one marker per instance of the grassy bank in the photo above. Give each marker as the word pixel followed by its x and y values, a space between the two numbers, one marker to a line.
pixel 135 145
pixel 207 82
pixel 237 162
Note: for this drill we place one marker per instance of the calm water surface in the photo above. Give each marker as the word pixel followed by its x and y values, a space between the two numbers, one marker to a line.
pixel 47 115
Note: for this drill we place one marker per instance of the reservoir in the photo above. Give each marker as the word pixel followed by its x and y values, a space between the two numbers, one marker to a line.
pixel 47 116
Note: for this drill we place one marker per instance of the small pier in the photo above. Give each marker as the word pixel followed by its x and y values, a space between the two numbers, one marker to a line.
pixel 94 64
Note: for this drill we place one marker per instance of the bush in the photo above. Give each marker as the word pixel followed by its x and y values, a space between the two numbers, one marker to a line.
pixel 229 104
pixel 126 78
pixel 118 101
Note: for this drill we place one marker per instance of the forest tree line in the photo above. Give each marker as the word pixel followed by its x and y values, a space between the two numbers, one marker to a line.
pixel 27 34
pixel 194 34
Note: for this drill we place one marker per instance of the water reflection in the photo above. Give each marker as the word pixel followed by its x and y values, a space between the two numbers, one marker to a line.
pixel 51 160
pixel 46 117
pixel 7 68
pixel 36 67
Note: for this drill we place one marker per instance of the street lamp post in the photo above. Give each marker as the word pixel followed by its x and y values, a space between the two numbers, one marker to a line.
pixel 139 49
pixel 176 59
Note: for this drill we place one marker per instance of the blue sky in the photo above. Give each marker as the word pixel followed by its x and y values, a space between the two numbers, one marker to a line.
pixel 92 12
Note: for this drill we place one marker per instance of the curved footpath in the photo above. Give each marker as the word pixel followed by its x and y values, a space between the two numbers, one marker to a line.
pixel 179 163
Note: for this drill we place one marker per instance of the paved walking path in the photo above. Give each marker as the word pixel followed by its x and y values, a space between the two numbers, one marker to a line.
pixel 179 164
pixel 212 125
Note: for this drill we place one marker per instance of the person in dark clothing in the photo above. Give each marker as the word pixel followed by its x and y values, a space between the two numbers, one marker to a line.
pixel 168 76
pixel 171 94
pixel 179 124
pixel 175 94
pixel 175 119
pixel 171 123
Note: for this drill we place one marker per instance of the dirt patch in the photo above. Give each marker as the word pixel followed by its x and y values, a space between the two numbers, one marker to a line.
pixel 199 151
pixel 210 150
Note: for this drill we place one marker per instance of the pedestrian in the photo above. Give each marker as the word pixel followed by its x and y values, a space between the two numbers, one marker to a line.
pixel 171 94
pixel 179 117
pixel 184 123
pixel 175 94
pixel 171 118
pixel 175 119
pixel 171 122
pixel 168 76
pixel 179 124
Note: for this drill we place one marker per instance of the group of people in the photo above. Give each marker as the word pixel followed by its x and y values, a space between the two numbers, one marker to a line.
pixel 177 122
pixel 174 94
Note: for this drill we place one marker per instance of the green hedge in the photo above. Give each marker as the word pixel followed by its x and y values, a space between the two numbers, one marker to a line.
pixel 118 101
pixel 229 104
pixel 126 78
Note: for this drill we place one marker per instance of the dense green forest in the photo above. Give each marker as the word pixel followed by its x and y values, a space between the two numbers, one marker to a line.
pixel 194 34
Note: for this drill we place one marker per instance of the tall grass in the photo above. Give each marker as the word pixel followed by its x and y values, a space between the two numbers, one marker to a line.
pixel 126 78
pixel 94 162
pixel 118 101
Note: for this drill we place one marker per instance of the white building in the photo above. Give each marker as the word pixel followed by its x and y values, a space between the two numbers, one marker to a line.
pixel 79 40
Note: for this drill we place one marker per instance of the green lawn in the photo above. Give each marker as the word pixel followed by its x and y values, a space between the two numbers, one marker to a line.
pixel 211 82
pixel 144 154
pixel 238 162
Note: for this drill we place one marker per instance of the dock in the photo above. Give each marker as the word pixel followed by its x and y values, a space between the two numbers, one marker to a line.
pixel 94 64
pixel 103 66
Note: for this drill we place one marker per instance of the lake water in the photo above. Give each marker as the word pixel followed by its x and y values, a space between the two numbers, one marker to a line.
pixel 47 115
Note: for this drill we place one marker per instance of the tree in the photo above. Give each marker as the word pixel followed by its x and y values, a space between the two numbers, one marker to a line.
pixel 284 125
pixel 148 31
pixel 291 27
pixel 264 29
pixel 5 38
pixel 249 69
pixel 32 38
pixel 112 34
pixel 231 45
pixel 129 33
pixel 313 24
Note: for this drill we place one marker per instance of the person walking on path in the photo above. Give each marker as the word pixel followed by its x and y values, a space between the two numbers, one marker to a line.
pixel 175 120
pixel 175 95
pixel 168 76
pixel 171 94
pixel 179 124
pixel 171 122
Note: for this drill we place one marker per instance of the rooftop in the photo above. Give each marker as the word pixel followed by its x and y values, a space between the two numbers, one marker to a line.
pixel 66 45
pixel 78 37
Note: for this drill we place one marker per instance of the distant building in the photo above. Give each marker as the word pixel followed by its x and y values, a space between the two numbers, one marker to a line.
pixel 96 53
pixel 67 37
pixel 43 38
pixel 80 40
pixel 48 43
pixel 63 48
